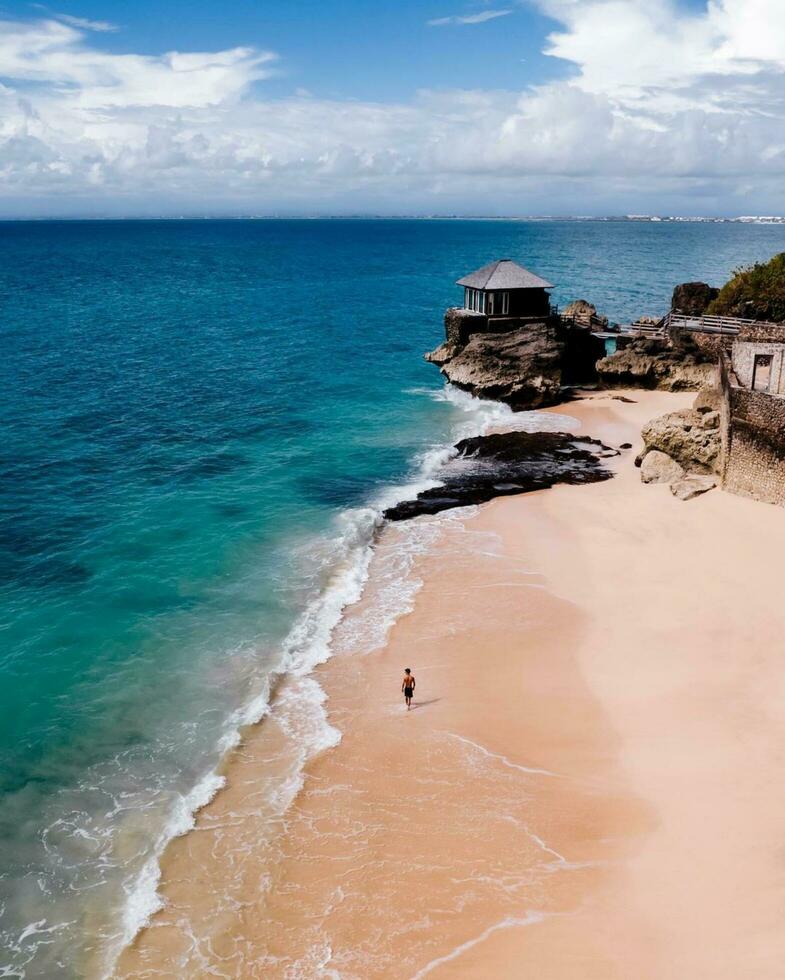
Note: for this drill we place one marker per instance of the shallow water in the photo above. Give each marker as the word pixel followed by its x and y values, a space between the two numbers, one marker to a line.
pixel 200 423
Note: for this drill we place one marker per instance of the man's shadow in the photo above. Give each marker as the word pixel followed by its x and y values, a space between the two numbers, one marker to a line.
pixel 424 704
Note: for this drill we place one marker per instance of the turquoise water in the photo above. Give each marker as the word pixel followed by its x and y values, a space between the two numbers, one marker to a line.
pixel 198 419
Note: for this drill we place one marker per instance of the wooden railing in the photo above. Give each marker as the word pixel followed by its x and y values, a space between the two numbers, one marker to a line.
pixel 729 325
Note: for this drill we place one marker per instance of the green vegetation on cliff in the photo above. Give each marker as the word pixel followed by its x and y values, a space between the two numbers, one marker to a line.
pixel 756 292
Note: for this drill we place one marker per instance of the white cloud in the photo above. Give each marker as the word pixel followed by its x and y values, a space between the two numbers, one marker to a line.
pixel 100 26
pixel 660 110
pixel 480 18
pixel 54 54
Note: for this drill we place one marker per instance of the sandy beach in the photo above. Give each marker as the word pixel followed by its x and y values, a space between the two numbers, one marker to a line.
pixel 589 785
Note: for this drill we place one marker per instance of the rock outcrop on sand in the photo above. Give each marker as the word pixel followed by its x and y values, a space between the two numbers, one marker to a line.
pixel 509 463
pixel 657 467
pixel 653 363
pixel 522 367
pixel 683 448
pixel 689 437
pixel 692 486
pixel 693 298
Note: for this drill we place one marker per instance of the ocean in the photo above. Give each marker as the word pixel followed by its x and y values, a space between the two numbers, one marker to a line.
pixel 201 422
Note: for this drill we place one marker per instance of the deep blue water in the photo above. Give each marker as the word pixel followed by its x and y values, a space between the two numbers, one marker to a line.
pixel 186 409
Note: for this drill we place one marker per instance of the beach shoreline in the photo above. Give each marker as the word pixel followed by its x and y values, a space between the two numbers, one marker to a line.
pixel 557 801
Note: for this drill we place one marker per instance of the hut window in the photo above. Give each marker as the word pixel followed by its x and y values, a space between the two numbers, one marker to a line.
pixel 466 292
pixel 490 303
pixel 505 303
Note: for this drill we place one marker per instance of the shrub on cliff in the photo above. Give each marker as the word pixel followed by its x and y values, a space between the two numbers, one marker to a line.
pixel 756 292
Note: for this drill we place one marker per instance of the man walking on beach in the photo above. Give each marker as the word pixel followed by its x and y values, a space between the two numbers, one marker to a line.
pixel 407 686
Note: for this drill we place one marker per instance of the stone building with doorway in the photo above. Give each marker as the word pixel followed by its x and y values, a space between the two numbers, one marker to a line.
pixel 752 412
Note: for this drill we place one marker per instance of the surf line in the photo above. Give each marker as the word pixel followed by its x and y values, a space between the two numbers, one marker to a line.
pixel 531 918
pixel 503 758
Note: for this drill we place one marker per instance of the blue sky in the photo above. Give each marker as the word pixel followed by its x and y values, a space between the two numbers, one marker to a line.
pixel 339 48
pixel 342 106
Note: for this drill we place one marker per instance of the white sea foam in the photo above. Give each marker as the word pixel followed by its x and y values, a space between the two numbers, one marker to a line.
pixel 143 898
pixel 486 753
pixel 530 918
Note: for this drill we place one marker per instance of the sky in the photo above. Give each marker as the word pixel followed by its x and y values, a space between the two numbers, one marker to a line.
pixel 419 107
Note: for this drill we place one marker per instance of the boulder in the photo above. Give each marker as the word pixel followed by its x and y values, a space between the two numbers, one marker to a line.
pixel 582 311
pixel 656 467
pixel 650 363
pixel 683 437
pixel 693 298
pixel 521 367
pixel 692 485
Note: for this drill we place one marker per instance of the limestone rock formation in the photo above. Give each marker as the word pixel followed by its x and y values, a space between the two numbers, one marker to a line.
pixel 656 467
pixel 686 438
pixel 649 363
pixel 693 298
pixel 441 354
pixel 692 485
pixel 585 314
pixel 522 367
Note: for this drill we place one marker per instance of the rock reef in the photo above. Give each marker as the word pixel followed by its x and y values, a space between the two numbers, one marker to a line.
pixel 509 463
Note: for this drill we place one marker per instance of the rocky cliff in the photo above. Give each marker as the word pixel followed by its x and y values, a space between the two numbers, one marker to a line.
pixel 522 367
pixel 526 368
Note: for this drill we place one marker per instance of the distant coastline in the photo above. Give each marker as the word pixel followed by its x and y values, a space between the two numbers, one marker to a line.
pixel 618 218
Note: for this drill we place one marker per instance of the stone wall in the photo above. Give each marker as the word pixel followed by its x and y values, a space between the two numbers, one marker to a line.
pixel 764 333
pixel 754 463
pixel 723 385
pixel 460 324
pixel 710 344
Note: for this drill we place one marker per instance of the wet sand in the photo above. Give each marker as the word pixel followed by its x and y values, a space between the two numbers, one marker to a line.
pixel 588 785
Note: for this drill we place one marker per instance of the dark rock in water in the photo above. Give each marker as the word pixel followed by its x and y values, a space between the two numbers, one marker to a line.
pixel 509 463
pixel 693 298
pixel 626 445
